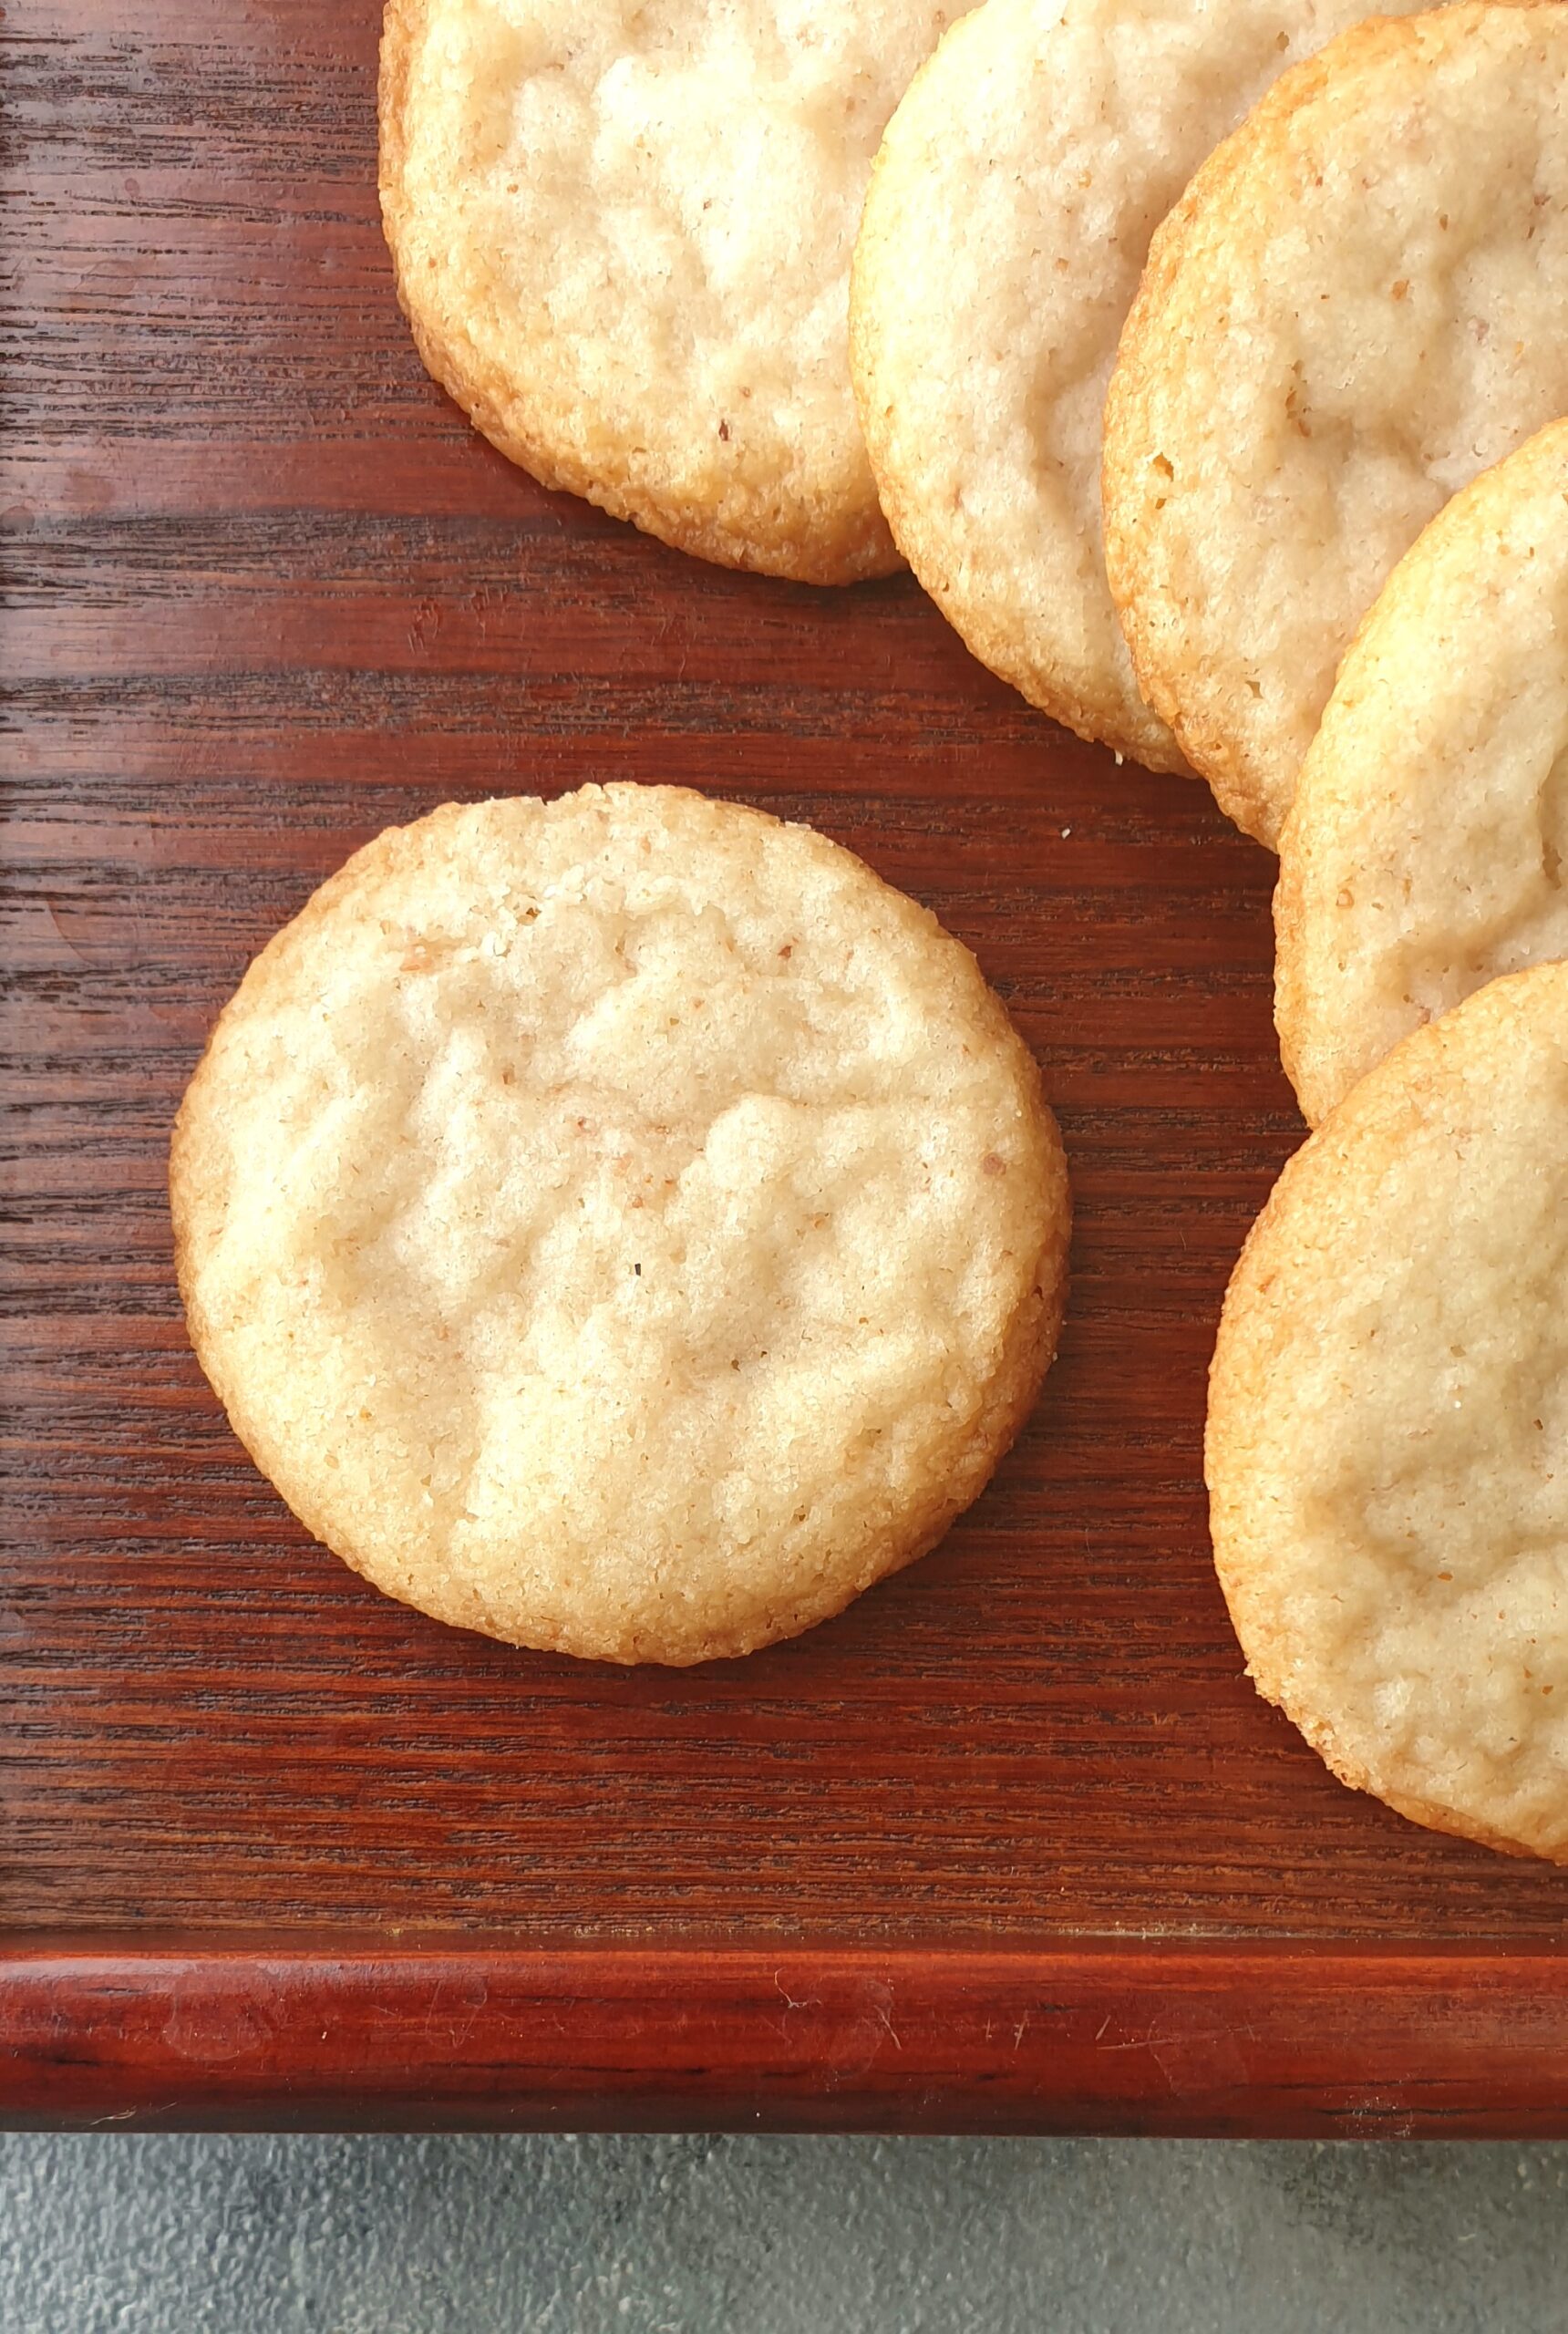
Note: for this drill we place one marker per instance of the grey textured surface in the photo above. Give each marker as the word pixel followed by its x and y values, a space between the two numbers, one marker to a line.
pixel 172 2235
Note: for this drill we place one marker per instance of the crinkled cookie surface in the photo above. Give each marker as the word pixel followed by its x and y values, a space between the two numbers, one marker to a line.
pixel 1426 848
pixel 1388 1440
pixel 622 1225
pixel 1006 229
pixel 1360 303
pixel 622 238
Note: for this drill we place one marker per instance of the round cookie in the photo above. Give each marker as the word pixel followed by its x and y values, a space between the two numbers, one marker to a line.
pixel 1424 853
pixel 1387 1439
pixel 622 1225
pixel 1005 228
pixel 623 239
pixel 1360 302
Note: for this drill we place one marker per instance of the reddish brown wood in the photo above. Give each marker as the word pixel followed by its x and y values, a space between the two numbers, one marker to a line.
pixel 1095 2037
pixel 266 592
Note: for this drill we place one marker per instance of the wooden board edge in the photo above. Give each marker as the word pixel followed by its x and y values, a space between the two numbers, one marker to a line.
pixel 1101 2036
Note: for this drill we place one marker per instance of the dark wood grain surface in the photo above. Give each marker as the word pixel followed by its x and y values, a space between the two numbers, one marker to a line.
pixel 265 593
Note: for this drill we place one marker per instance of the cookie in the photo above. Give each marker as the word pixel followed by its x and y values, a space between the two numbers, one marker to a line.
pixel 621 1224
pixel 623 237
pixel 1424 853
pixel 1006 229
pixel 1360 302
pixel 1387 1439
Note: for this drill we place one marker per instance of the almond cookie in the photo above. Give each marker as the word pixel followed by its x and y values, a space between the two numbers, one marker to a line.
pixel 1424 851
pixel 623 237
pixel 1388 1443
pixel 1360 302
pixel 621 1224
pixel 1008 218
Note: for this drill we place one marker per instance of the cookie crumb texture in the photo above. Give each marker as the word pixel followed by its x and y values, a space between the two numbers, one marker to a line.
pixel 1387 1442
pixel 623 1225
pixel 1426 850
pixel 623 239
pixel 1360 303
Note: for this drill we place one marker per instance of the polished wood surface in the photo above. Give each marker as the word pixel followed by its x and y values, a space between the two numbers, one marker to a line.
pixel 265 593
pixel 1093 2036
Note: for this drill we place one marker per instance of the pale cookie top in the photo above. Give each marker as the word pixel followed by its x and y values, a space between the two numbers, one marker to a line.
pixel 1008 218
pixel 1361 301
pixel 1387 1445
pixel 622 1225
pixel 1425 850
pixel 622 238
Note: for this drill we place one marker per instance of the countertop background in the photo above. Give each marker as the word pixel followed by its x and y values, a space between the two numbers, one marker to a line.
pixel 122 2235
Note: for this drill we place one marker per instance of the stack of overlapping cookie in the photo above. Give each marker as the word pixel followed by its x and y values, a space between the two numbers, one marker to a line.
pixel 1359 302
pixel 1359 305
pixel 624 1309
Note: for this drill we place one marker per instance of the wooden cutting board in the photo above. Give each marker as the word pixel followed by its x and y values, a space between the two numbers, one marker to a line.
pixel 1012 1844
